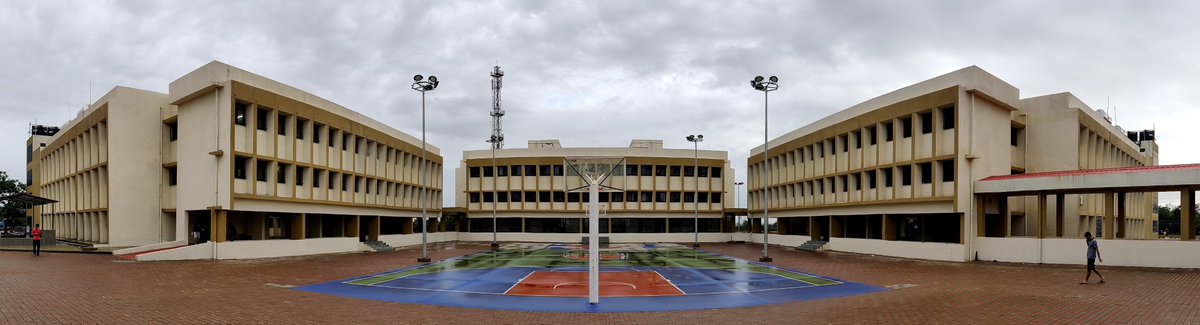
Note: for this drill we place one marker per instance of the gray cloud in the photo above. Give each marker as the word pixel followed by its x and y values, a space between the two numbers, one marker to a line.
pixel 601 73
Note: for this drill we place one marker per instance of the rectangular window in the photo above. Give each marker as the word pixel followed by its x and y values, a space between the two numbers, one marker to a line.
pixel 281 173
pixel 358 144
pixel 487 171
pixel 317 175
pixel 474 197
pixel 716 197
pixel 647 196
pixel 261 117
pixel 906 127
pixel 516 196
pixel 926 173
pixel 845 183
pixel 368 186
pixel 346 179
pixel 702 197
pixel 300 175
pixel 558 170
pixel 502 197
pixel 660 170
pixel 676 170
pixel 332 136
pixel 689 197
pixel 530 170
pixel 845 143
pixel 301 128
pixel 675 197
pixel 888 132
pixel 544 170
pixel 905 175
pixel 646 170
pixel 474 172
pixel 947 167
pixel 857 181
pixel 488 197
pixel 502 171
pixel 702 172
pixel 660 197
pixel 871 179
pixel 317 128
pixel 947 117
pixel 357 183
pixel 544 196
pixel 887 177
pixel 631 196
pixel 516 170
pixel 573 197
pixel 618 197
pixel 260 172
pixel 239 113
pixel 820 149
pixel 926 122
pixel 346 141
pixel 239 168
pixel 1013 136
pixel 716 172
pixel 531 196
pixel 332 180
pixel 871 135
pixel 281 123
pixel 857 139
pixel 559 197
pixel 172 178
pixel 631 170
pixel 689 171
pixel 173 131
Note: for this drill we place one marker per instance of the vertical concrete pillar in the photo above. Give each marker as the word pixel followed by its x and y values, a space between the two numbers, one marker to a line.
pixel 408 226
pixel 218 223
pixel 351 226
pixel 1109 215
pixel 835 227
pixel 298 226
pixel 1187 215
pixel 1042 212
pixel 1120 229
pixel 889 228
pixel 1060 205
pixel 373 228
pixel 103 220
pixel 980 217
pixel 1005 215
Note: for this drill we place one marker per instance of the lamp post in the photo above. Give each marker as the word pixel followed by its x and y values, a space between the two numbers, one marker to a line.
pixel 423 86
pixel 766 86
pixel 695 140
pixel 737 187
pixel 493 140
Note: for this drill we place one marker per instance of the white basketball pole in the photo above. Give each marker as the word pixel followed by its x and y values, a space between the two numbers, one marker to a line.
pixel 593 243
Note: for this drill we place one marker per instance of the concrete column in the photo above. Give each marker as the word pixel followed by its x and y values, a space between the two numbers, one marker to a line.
pixel 889 228
pixel 93 227
pixel 1005 215
pixel 103 220
pixel 835 227
pixel 1120 230
pixel 1187 216
pixel 1109 215
pixel 408 226
pixel 980 217
pixel 1060 205
pixel 1042 212
pixel 298 226
pixel 373 228
pixel 218 225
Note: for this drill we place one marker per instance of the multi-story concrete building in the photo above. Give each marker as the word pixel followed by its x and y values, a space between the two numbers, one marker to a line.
pixel 894 175
pixel 258 168
pixel 663 193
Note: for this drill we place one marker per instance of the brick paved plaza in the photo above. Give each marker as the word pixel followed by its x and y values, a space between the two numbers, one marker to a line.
pixel 79 288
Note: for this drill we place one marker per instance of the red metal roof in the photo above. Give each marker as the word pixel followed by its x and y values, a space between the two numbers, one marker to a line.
pixel 1105 171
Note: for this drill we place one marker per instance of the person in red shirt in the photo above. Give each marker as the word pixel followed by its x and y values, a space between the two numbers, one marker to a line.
pixel 37 239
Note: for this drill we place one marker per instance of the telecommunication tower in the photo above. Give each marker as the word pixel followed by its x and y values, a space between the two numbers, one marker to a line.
pixel 497 138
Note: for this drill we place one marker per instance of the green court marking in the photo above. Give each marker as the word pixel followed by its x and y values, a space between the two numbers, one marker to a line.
pixel 547 258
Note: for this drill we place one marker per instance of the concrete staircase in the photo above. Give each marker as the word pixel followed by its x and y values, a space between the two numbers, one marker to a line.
pixel 813 246
pixel 378 246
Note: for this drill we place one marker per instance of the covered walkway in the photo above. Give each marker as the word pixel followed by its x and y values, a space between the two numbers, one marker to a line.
pixel 1113 183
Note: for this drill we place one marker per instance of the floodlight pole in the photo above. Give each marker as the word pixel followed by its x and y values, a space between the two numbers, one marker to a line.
pixel 737 187
pixel 495 176
pixel 695 140
pixel 766 86
pixel 593 241
pixel 424 86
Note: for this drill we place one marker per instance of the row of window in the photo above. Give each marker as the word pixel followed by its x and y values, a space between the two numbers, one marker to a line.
pixel 348 141
pixel 607 225
pixel 630 170
pixel 282 171
pixel 605 197
pixel 870 179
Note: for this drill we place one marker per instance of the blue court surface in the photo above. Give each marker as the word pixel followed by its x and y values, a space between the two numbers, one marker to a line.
pixel 505 280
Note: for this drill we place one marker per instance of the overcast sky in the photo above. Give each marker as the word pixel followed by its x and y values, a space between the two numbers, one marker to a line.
pixel 599 73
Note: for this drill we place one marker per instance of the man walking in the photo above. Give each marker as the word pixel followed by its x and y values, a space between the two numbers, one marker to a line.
pixel 37 239
pixel 1093 253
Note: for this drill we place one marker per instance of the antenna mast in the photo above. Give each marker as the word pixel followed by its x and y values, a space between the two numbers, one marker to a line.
pixel 497 113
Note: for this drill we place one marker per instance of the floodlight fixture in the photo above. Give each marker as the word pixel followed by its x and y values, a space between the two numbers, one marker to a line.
pixel 418 78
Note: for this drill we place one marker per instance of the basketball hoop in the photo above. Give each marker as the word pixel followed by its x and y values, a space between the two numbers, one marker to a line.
pixel 596 174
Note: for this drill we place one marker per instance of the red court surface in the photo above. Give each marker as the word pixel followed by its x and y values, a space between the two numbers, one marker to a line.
pixel 612 284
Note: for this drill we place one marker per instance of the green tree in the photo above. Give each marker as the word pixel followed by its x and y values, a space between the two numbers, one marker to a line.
pixel 12 214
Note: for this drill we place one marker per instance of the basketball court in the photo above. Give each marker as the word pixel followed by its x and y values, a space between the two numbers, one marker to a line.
pixel 553 278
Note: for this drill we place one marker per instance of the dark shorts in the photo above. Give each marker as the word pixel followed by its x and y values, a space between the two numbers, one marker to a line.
pixel 1091 264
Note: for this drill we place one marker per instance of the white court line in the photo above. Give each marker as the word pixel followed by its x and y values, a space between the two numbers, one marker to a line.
pixel 669 281
pixel 519 281
pixel 601 282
